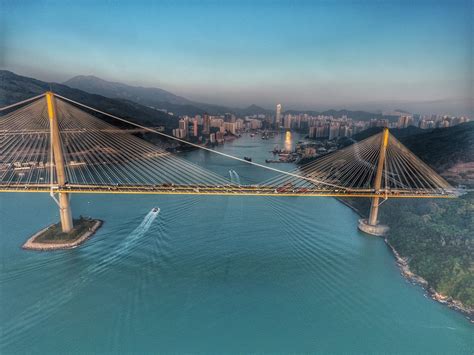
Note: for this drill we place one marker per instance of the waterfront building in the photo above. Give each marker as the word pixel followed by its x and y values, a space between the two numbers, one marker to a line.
pixel 219 137
pixel 230 127
pixel 239 123
pixel 179 133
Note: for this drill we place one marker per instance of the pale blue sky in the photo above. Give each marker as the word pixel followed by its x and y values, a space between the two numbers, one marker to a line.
pixel 303 53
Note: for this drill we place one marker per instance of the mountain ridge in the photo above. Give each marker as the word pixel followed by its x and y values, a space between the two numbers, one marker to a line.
pixel 96 85
pixel 162 99
pixel 149 96
pixel 15 88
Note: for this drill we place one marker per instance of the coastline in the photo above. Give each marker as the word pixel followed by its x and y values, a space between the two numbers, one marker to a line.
pixel 430 291
pixel 31 243
pixel 405 271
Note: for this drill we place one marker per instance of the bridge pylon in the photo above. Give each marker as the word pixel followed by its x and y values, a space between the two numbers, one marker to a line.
pixel 57 152
pixel 371 225
pixel 374 208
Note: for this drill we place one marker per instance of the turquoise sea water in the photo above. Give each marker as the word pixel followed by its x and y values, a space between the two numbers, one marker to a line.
pixel 213 275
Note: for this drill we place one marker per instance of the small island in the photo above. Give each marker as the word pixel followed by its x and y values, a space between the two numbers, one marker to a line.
pixel 53 238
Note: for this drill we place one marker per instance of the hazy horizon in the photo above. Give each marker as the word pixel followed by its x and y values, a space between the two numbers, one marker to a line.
pixel 368 55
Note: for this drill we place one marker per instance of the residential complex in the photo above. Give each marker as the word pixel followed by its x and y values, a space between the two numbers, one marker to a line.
pixel 213 129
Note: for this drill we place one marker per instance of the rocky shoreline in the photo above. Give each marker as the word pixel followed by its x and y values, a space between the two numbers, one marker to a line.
pixel 431 292
pixel 416 279
pixel 31 243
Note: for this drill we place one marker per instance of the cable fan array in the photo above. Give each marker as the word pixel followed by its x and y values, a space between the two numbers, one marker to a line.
pixel 95 152
pixel 354 168
pixel 99 157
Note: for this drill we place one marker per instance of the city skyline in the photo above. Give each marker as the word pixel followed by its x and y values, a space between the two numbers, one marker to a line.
pixel 310 56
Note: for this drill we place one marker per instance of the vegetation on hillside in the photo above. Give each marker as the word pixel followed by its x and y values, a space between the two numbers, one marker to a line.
pixel 441 148
pixel 437 237
pixel 444 147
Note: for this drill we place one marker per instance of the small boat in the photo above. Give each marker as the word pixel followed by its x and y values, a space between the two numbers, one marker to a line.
pixel 155 210
pixel 248 158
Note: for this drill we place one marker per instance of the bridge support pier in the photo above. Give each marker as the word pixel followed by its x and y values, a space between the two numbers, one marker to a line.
pixel 56 146
pixel 371 225
pixel 374 211
pixel 65 212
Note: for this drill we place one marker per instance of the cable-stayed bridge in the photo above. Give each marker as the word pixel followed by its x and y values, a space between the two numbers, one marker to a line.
pixel 52 144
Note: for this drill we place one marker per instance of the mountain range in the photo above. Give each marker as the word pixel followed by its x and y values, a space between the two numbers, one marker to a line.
pixel 145 103
pixel 162 99
pixel 14 88
pixel 154 97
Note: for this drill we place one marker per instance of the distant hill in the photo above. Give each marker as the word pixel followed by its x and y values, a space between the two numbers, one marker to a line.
pixel 253 110
pixel 138 94
pixel 162 99
pixel 154 97
pixel 14 88
pixel 443 148
pixel 401 111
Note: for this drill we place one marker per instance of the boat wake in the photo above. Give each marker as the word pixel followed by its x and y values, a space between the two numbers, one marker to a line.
pixel 127 244
pixel 47 306
pixel 234 177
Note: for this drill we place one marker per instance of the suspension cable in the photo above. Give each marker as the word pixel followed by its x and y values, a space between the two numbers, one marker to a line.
pixel 199 146
pixel 21 102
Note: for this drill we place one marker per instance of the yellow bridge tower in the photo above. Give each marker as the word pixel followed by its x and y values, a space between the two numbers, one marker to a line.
pixel 57 152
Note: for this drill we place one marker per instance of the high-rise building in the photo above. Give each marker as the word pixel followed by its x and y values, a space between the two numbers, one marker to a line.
pixel 183 125
pixel 278 116
pixel 404 121
pixel 216 122
pixel 195 127
pixel 230 127
pixel 179 133
pixel 229 117
pixel 239 123
pixel 206 123
pixel 288 120
pixel 333 131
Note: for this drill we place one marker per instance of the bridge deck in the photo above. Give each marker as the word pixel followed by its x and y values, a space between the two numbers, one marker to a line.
pixel 227 190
